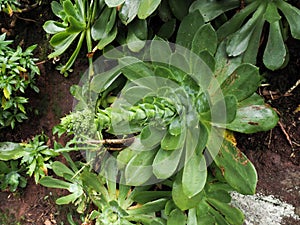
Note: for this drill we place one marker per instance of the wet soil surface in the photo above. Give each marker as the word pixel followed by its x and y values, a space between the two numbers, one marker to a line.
pixel 275 154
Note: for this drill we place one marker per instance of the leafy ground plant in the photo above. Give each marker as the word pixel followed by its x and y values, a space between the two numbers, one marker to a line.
pixel 244 32
pixel 172 115
pixel 18 72
pixel 32 158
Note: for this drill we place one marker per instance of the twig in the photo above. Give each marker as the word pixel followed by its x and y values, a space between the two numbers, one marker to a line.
pixel 113 141
pixel 286 134
pixel 292 88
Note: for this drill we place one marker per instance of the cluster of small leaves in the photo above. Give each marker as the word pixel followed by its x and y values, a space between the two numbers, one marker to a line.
pixel 245 30
pixel 9 6
pixel 32 158
pixel 125 21
pixel 18 72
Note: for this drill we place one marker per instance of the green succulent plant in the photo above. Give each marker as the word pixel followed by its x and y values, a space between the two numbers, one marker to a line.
pixel 177 103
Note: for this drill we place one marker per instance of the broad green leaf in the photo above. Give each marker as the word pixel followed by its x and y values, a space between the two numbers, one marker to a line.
pixel 100 29
pixel 124 157
pixel 292 15
pixel 254 99
pixel 139 168
pixel 111 36
pixel 220 195
pixel 134 94
pixel 134 69
pixel 236 21
pixel 143 197
pixel 250 55
pixel 223 111
pixel 61 41
pixel 160 51
pixel 151 136
pixel 71 10
pixel 238 42
pixel 243 82
pixel 147 7
pixel 180 199
pixel 66 199
pixel 253 118
pixel 75 26
pixel 180 8
pixel 129 11
pixel 224 65
pixel 137 34
pixel 238 171
pixel 188 28
pixel 114 3
pixel 212 9
pixel 56 8
pixel 11 151
pixel 275 52
pixel 194 175
pixel 61 169
pixel 54 183
pixel 205 39
pixel 149 207
pixel 167 29
pixel 271 15
pixel 53 27
pixel 102 81
pixel 231 214
pixel 165 163
pixel 172 142
pixel 176 217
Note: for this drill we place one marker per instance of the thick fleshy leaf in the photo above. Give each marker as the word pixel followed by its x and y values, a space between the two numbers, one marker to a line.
pixel 61 41
pixel 292 15
pixel 205 39
pixel 151 136
pixel 176 217
pixel 238 42
pixel 139 169
pixel 61 169
pixel 53 27
pixel 102 81
pixel 165 163
pixel 54 183
pixel 167 29
pixel 250 55
pixel 238 171
pixel 147 7
pixel 108 39
pixel 236 21
pixel 243 82
pixel 172 142
pixel 149 207
pixel 271 15
pixel 104 24
pixel 212 9
pixel 231 214
pixel 66 199
pixel 194 175
pixel 114 3
pixel 180 199
pixel 275 52
pixel 180 8
pixel 253 118
pixel 11 151
pixel 160 52
pixel 137 34
pixel 129 11
pixel 188 28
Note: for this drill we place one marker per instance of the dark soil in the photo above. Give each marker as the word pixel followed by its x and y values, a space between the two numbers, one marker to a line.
pixel 275 154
